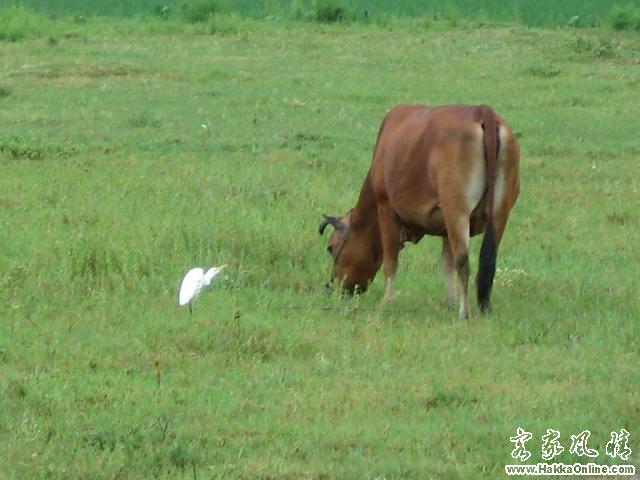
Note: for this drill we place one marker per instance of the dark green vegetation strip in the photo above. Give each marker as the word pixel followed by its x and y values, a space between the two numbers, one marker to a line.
pixel 529 12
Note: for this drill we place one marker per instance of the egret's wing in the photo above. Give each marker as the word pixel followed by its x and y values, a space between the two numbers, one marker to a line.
pixel 191 285
pixel 211 274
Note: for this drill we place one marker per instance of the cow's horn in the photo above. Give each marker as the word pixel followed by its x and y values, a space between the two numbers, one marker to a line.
pixel 328 220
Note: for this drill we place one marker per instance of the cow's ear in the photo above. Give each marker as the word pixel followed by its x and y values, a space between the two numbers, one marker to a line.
pixel 335 222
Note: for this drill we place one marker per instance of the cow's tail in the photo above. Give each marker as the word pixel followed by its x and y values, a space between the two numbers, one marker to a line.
pixel 489 249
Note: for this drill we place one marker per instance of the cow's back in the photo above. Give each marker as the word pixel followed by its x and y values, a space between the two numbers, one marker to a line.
pixel 420 151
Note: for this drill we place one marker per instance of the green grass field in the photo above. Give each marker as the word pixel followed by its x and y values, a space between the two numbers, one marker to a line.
pixel 132 150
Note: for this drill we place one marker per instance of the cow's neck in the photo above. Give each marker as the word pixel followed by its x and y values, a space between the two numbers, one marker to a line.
pixel 364 219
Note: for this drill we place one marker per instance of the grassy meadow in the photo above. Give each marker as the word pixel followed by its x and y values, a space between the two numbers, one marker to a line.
pixel 134 149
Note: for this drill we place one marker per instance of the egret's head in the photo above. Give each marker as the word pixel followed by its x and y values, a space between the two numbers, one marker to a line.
pixel 354 266
pixel 211 274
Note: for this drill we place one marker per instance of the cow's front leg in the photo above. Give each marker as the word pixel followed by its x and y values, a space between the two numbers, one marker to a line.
pixel 390 235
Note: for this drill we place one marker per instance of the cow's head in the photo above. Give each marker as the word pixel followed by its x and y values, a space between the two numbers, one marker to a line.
pixel 355 263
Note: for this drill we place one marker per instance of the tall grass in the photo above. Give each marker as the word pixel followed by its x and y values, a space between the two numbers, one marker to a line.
pixel 199 11
pixel 625 17
pixel 17 22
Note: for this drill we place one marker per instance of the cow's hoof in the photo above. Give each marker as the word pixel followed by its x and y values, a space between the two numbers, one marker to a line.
pixel 450 304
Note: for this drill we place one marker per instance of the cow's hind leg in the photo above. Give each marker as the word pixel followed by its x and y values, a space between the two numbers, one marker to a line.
pixel 448 270
pixel 507 188
pixel 458 234
pixel 500 217
pixel 390 234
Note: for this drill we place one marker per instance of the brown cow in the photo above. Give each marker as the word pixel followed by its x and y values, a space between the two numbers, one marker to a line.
pixel 450 171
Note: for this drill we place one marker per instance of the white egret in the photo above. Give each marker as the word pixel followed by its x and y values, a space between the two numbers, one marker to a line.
pixel 193 283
